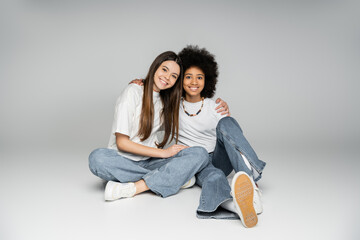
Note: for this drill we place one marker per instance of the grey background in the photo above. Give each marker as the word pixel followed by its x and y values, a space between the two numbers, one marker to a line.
pixel 289 71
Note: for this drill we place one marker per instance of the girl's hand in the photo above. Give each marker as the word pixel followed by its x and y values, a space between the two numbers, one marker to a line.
pixel 223 108
pixel 137 81
pixel 173 150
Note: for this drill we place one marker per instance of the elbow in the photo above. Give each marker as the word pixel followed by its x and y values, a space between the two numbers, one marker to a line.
pixel 120 145
pixel 121 141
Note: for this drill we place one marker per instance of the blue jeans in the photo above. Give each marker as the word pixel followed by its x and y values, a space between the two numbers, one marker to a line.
pixel 164 176
pixel 225 158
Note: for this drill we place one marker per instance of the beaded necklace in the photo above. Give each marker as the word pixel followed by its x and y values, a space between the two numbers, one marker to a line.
pixel 192 115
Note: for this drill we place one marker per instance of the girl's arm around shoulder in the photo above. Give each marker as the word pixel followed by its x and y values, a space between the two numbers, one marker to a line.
pixel 125 144
pixel 222 107
pixel 219 109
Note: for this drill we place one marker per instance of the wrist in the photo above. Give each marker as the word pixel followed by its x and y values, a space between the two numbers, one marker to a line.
pixel 162 153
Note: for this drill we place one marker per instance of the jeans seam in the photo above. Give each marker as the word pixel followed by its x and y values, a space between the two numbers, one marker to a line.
pixel 236 147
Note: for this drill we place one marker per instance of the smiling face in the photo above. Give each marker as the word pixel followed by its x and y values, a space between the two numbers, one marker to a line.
pixel 166 75
pixel 194 82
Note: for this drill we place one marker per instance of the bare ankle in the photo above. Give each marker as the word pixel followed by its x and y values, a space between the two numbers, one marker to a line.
pixel 141 186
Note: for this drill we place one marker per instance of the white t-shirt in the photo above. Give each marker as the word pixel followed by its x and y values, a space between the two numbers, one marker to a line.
pixel 199 130
pixel 127 119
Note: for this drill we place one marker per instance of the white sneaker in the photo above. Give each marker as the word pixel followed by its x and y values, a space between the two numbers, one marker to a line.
pixel 189 183
pixel 257 201
pixel 116 190
pixel 243 191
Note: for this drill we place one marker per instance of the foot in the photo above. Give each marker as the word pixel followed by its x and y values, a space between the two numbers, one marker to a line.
pixel 243 188
pixel 116 190
pixel 189 183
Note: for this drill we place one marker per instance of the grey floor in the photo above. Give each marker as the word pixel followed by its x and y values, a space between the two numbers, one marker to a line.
pixel 54 196
pixel 288 69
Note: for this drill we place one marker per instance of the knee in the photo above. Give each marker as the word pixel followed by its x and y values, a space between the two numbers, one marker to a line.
pixel 96 159
pixel 199 155
pixel 227 123
pixel 199 150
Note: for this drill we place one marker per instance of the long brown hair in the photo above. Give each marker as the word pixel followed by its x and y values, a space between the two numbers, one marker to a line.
pixel 170 98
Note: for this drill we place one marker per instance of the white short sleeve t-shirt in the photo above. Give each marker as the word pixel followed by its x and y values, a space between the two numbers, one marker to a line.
pixel 127 117
pixel 199 130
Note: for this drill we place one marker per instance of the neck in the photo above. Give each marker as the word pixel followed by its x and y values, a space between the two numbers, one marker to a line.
pixel 155 88
pixel 193 99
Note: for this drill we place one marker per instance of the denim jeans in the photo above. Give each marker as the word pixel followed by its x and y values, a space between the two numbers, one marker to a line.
pixel 164 176
pixel 225 158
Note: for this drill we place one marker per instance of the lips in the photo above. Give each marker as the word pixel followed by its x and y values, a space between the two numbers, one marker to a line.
pixel 163 82
pixel 193 89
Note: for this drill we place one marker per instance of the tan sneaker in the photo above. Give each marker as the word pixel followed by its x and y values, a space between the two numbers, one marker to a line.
pixel 243 190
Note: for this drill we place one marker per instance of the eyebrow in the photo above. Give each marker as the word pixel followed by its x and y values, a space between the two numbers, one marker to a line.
pixel 196 74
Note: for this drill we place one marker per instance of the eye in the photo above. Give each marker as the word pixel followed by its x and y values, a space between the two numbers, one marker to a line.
pixel 200 78
pixel 164 69
pixel 174 76
pixel 187 77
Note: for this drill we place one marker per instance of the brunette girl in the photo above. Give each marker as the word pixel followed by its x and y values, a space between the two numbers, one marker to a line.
pixel 135 160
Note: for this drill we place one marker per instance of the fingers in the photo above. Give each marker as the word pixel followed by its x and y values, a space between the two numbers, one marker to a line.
pixel 224 112
pixel 225 106
pixel 227 113
pixel 174 149
pixel 181 147
pixel 220 105
pixel 178 148
pixel 137 81
pixel 221 109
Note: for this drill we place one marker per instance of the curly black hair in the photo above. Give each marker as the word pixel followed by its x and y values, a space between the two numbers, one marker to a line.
pixel 193 56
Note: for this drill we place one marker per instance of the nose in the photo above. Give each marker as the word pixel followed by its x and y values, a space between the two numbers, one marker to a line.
pixel 193 81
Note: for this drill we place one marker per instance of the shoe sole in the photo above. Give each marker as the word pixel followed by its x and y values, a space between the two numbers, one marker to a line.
pixel 243 190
